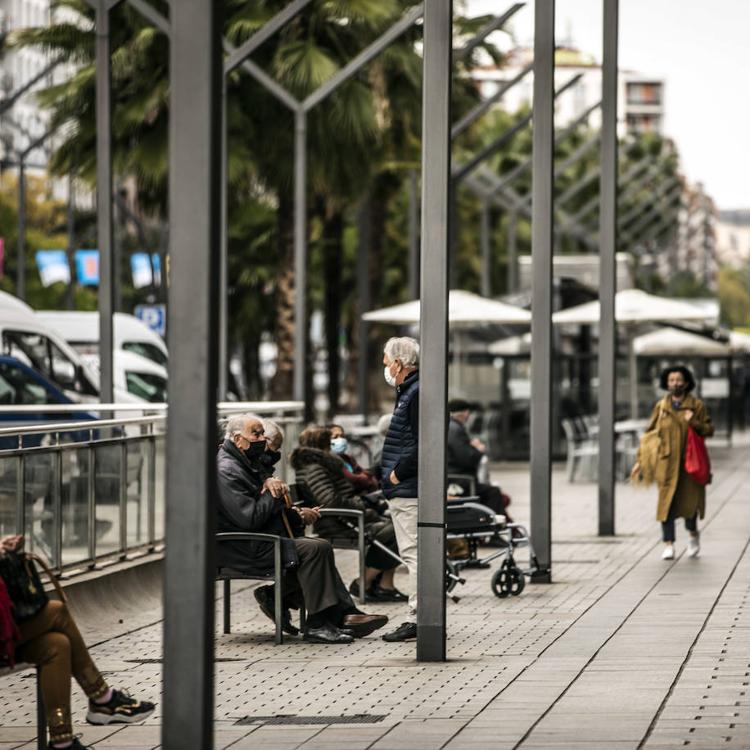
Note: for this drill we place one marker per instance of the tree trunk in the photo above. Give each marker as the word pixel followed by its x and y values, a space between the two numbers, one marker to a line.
pixel 282 383
pixel 333 255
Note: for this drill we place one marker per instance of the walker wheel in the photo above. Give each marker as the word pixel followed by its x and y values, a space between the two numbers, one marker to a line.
pixel 508 579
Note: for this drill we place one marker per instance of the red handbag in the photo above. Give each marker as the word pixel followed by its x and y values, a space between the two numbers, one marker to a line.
pixel 697 462
pixel 8 631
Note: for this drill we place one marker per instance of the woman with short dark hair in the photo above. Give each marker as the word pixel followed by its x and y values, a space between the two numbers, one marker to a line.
pixel 680 496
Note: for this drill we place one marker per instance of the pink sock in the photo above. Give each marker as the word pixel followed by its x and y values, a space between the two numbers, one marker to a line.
pixel 106 698
pixel 65 744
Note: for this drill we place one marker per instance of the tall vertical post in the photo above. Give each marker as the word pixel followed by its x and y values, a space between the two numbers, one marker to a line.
pixel 300 253
pixel 195 214
pixel 413 235
pixel 105 231
pixel 433 417
pixel 541 304
pixel 21 262
pixel 363 296
pixel 485 281
pixel 512 252
pixel 608 271
pixel 224 263
pixel 70 292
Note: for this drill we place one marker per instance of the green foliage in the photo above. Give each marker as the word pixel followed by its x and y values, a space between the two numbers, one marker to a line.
pixel 734 296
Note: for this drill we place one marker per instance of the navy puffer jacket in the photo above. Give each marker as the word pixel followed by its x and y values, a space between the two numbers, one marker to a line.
pixel 401 447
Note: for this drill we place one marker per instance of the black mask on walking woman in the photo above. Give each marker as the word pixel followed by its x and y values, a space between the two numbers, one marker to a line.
pixel 256 449
pixel 270 458
pixel 677 390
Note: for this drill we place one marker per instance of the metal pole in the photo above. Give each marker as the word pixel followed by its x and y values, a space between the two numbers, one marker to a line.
pixel 541 318
pixel 70 292
pixel 485 280
pixel 608 272
pixel 300 254
pixel 512 252
pixel 21 263
pixel 224 263
pixel 433 417
pixel 413 235
pixel 363 295
pixel 105 231
pixel 195 218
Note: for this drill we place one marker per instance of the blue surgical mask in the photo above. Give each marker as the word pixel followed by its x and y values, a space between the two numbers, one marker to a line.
pixel 339 445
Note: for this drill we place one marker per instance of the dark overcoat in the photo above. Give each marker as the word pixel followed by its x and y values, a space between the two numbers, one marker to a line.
pixel 243 505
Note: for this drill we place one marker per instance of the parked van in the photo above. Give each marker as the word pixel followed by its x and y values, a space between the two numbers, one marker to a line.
pixel 81 331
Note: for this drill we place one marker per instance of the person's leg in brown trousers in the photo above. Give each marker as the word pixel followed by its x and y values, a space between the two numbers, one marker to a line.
pixel 52 640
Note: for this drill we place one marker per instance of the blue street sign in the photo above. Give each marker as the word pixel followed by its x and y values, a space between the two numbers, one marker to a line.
pixel 154 316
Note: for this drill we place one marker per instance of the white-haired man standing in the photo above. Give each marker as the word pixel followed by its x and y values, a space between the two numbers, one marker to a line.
pixel 251 500
pixel 399 465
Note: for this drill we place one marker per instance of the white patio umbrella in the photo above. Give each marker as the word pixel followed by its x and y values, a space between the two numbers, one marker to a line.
pixel 670 342
pixel 465 310
pixel 633 307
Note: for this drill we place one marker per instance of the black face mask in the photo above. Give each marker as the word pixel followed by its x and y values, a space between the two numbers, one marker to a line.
pixel 677 390
pixel 256 449
pixel 271 458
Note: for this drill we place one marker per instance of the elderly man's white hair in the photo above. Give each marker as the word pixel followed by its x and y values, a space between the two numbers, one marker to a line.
pixel 403 348
pixel 272 430
pixel 237 423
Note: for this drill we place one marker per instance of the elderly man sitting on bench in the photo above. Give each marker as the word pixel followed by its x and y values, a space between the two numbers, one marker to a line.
pixel 250 500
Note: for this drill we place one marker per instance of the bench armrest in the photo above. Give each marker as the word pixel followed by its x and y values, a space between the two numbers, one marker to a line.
pixel 247 536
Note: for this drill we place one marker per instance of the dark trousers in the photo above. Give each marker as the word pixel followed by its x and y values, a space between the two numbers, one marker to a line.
pixel 667 527
pixel 317 581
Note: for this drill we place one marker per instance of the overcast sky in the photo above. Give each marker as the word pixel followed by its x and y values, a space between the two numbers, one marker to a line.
pixel 702 50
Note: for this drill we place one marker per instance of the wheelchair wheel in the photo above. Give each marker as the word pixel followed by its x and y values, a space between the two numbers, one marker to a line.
pixel 508 579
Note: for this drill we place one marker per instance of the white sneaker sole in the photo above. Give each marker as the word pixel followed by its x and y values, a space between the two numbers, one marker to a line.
pixel 94 717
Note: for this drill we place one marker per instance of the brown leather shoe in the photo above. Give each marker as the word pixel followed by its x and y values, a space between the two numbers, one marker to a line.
pixel 362 625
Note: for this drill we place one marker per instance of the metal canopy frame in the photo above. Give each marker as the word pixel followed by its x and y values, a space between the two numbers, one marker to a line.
pixel 542 239
pixel 608 227
pixel 433 395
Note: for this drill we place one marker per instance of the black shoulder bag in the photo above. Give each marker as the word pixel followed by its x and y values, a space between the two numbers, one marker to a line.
pixel 25 588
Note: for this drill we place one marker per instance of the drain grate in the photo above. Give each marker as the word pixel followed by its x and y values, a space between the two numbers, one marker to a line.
pixel 159 661
pixel 289 719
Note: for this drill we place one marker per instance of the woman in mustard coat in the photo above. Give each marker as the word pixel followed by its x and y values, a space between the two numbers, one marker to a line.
pixel 679 495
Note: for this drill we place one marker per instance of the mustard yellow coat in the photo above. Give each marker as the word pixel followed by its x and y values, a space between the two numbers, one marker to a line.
pixel 675 486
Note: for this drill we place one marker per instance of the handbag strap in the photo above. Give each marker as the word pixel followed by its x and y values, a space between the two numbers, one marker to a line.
pixel 52 577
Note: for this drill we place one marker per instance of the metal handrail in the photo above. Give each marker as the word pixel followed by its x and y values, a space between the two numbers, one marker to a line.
pixel 223 407
pixel 81 425
pixel 62 495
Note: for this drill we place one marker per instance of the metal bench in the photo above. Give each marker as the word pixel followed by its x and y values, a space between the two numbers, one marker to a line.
pixel 227 575
pixel 41 719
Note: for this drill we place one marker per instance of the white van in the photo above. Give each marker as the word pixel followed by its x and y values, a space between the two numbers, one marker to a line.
pixel 81 331
pixel 24 336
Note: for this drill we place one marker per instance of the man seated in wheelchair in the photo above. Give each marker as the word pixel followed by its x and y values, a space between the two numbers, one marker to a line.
pixel 250 499
pixel 466 455
pixel 322 474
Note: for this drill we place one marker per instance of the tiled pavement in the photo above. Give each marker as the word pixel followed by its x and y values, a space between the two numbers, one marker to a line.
pixel 623 651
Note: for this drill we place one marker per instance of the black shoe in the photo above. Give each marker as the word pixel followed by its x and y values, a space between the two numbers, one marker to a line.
pixel 121 709
pixel 404 632
pixel 354 591
pixel 75 746
pixel 326 634
pixel 265 599
pixel 389 595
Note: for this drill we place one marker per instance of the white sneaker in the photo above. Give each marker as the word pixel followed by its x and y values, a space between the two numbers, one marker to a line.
pixel 694 546
pixel 668 553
